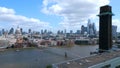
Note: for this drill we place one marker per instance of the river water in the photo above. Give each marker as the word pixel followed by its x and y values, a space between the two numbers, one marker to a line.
pixel 40 58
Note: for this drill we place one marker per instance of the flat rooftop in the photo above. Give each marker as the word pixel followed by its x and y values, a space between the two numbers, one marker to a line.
pixel 88 61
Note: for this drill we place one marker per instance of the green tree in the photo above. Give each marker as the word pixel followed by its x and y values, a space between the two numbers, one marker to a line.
pixel 49 66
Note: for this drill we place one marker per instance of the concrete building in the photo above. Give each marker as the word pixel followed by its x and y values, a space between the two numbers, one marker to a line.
pixel 3 42
pixel 114 31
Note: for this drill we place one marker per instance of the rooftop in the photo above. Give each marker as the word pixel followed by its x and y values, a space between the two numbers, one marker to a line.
pixel 88 61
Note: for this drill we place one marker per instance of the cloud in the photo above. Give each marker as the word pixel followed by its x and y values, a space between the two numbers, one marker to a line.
pixel 4 10
pixel 74 13
pixel 8 15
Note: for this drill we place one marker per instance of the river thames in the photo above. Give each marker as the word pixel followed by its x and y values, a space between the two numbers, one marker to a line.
pixel 40 58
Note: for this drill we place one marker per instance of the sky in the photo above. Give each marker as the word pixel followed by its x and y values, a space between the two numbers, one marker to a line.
pixel 54 14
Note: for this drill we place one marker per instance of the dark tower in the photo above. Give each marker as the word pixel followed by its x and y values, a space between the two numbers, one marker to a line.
pixel 105 29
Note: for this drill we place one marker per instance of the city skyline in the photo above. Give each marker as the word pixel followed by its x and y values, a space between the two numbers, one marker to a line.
pixel 53 14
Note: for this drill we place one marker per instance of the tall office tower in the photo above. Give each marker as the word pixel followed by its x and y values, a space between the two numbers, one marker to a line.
pixel 21 30
pixel 64 31
pixel 3 31
pixel 61 32
pixel 11 31
pixel 71 31
pixel 114 31
pixel 45 31
pixel 94 28
pixel 78 32
pixel 42 31
pixel 91 30
pixel 29 30
pixel 58 32
pixel 105 29
pixel 88 26
pixel 0 33
pixel 82 29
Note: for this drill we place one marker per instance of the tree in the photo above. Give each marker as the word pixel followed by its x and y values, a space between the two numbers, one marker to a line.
pixel 49 66
pixel 24 38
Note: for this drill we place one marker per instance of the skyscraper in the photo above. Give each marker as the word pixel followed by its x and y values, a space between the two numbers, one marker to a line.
pixel 82 29
pixel 42 31
pixel 78 32
pixel 45 31
pixel 29 30
pixel 58 32
pixel 65 31
pixel 94 29
pixel 105 29
pixel 91 29
pixel 21 30
pixel 88 26
pixel 114 31
pixel 71 31
pixel 3 31
pixel 11 31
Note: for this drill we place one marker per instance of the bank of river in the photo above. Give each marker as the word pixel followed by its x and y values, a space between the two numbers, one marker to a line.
pixel 40 58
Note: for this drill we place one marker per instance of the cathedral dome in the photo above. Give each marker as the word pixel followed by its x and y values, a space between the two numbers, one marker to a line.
pixel 18 31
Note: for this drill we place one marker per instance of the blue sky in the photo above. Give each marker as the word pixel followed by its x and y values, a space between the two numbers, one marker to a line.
pixel 53 14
